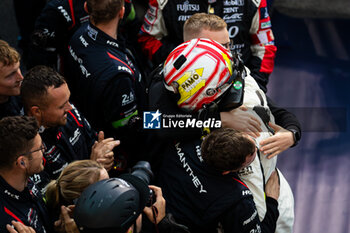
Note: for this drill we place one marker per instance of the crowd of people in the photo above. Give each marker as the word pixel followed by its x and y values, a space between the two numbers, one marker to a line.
pixel 75 155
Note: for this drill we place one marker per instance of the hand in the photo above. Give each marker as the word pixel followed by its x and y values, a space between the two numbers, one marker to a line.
pixel 272 188
pixel 102 151
pixel 277 143
pixel 66 223
pixel 19 228
pixel 241 120
pixel 158 206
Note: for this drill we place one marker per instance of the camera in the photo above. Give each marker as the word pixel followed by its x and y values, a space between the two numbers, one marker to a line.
pixel 143 171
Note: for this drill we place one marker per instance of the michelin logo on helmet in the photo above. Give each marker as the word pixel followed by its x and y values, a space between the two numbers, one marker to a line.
pixel 157 120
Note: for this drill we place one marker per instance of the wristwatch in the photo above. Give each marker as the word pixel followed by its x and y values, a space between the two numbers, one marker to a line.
pixel 296 136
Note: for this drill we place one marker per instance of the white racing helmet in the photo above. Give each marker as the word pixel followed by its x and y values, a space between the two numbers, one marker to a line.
pixel 201 71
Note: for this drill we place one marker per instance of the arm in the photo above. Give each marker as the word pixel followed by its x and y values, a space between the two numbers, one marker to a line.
pixel 153 35
pixel 46 40
pixel 284 118
pixel 284 138
pixel 263 49
pixel 101 150
pixel 246 215
pixel 166 223
pixel 241 120
pixel 120 102
pixel 246 218
pixel 123 121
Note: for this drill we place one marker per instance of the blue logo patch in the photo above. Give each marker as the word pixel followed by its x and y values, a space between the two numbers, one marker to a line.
pixel 151 120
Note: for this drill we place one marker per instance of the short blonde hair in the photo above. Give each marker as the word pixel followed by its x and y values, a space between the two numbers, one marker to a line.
pixel 72 181
pixel 8 55
pixel 199 21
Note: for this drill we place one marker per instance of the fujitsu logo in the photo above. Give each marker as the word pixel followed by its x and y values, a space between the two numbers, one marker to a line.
pixel 186 6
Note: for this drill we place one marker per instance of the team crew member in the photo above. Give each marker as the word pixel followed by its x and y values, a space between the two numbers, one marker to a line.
pixel 248 24
pixel 109 81
pixel 209 68
pixel 55 26
pixel 202 25
pixel 10 81
pixel 66 133
pixel 202 187
pixel 21 156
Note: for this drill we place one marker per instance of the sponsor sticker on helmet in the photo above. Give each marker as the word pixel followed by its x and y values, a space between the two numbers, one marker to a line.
pixel 190 83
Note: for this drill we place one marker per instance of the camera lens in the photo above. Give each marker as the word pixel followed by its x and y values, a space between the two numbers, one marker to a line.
pixel 142 170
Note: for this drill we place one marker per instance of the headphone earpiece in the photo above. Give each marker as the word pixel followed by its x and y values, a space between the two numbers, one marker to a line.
pixel 22 163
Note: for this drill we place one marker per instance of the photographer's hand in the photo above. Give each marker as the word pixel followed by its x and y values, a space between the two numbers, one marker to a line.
pixel 158 206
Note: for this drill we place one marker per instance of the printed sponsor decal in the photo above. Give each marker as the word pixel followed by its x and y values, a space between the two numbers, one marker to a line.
pixel 152 10
pixel 186 6
pixel 250 218
pixel 11 194
pixel 84 71
pixel 64 13
pixel 75 137
pixel 237 47
pixel 195 180
pixel 150 18
pixel 246 171
pixel 233 31
pixel 265 25
pixel 234 3
pixel 112 43
pixel 124 69
pixel 92 32
pixel 229 10
pixel 264 14
pixel 127 99
pixel 236 17
pixel 190 83
pixel 83 41
pixel 199 154
pixel 246 192
pixel 60 169
pixel 146 27
pixel 183 17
